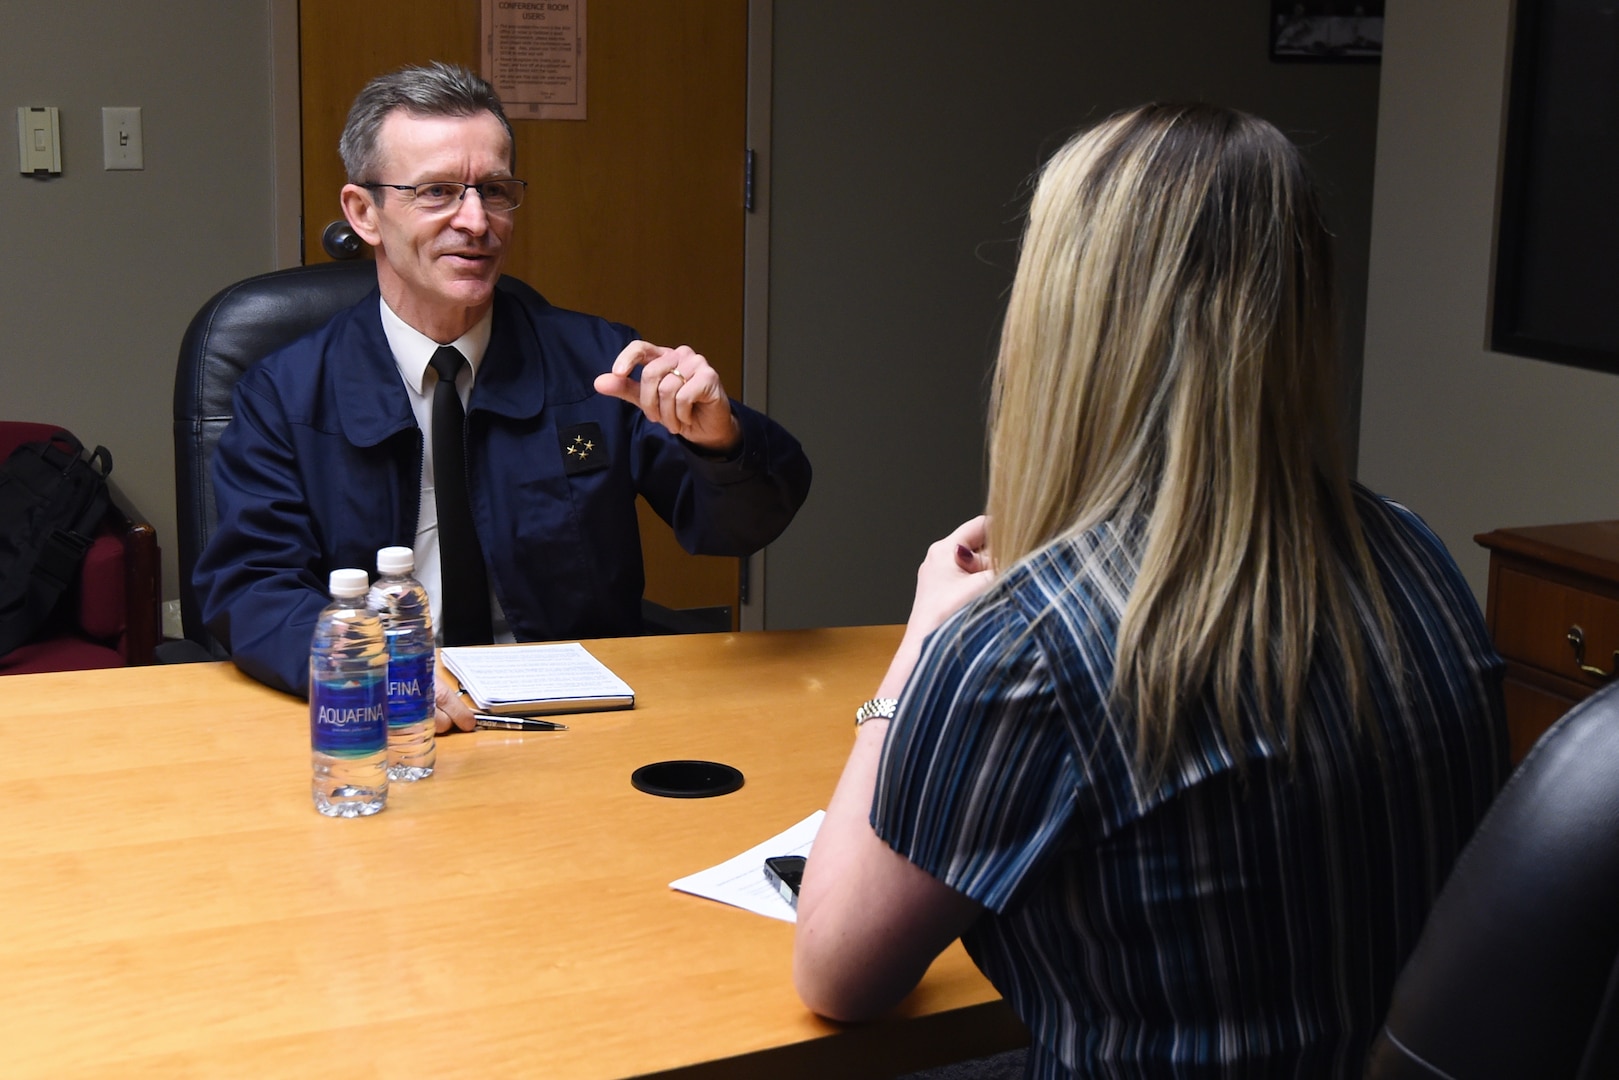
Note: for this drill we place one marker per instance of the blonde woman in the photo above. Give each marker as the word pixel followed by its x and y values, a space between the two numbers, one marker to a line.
pixel 1185 766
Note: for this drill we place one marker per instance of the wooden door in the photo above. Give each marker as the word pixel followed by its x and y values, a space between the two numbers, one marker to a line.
pixel 634 214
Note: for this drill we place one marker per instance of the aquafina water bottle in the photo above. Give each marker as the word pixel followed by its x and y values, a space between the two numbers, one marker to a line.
pixel 348 702
pixel 407 624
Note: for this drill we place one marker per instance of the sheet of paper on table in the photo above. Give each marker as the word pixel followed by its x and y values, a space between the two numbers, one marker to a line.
pixel 741 881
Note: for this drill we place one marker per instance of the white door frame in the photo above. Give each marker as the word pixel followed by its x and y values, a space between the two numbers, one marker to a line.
pixel 756 264
pixel 286 173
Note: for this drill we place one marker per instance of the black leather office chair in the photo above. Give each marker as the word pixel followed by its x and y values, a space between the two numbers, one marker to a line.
pixel 1517 970
pixel 233 331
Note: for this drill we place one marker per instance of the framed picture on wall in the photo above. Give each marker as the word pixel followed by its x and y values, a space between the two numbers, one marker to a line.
pixel 1326 30
pixel 1557 224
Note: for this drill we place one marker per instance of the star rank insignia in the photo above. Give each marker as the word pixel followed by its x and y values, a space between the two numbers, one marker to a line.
pixel 583 449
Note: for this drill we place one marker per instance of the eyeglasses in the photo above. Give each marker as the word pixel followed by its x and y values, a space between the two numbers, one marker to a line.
pixel 498 196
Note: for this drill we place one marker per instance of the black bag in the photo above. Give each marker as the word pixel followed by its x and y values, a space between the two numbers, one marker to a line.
pixel 51 499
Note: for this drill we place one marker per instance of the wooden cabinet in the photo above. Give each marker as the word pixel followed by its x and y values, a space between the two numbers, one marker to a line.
pixel 1553 612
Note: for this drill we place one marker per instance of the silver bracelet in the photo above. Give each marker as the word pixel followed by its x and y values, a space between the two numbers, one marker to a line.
pixel 879 708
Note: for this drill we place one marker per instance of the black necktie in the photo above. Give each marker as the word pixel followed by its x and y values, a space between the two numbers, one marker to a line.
pixel 463 583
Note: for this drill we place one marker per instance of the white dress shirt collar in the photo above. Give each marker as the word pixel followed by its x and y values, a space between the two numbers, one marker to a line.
pixel 412 349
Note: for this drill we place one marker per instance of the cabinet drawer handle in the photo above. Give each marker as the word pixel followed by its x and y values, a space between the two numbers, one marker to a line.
pixel 1576 638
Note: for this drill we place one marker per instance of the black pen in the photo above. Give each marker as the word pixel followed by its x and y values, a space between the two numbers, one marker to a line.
pixel 487 722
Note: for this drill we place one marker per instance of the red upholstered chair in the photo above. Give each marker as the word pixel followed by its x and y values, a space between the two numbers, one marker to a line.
pixel 109 617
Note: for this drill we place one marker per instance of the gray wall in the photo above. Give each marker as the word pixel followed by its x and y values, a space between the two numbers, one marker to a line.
pixel 1471 439
pixel 903 136
pixel 102 270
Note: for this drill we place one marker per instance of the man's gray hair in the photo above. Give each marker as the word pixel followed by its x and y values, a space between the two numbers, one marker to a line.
pixel 436 89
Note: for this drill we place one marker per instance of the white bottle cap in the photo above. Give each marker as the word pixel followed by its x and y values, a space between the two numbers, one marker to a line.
pixel 349 582
pixel 396 560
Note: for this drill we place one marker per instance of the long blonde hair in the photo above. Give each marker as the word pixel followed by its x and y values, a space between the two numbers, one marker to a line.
pixel 1169 355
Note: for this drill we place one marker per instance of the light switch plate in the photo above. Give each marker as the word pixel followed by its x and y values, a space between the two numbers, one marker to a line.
pixel 121 138
pixel 39 142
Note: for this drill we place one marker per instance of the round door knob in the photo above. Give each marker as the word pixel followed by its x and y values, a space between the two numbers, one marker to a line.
pixel 340 241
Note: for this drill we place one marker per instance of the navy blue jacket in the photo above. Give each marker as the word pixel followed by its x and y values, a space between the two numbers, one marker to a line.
pixel 322 464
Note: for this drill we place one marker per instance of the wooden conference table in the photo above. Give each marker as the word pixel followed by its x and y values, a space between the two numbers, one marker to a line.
pixel 173 905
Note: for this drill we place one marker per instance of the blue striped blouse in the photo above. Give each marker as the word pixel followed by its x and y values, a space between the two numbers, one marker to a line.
pixel 1216 923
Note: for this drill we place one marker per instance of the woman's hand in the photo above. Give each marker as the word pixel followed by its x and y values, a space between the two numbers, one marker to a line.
pixel 956 571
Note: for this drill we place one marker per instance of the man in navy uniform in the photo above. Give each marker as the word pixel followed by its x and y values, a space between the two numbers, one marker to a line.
pixel 501 438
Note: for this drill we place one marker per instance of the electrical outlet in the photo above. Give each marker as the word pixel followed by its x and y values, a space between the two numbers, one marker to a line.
pixel 173 628
pixel 39 143
pixel 121 138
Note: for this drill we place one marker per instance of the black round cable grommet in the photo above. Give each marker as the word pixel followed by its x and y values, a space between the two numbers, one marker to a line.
pixel 686 779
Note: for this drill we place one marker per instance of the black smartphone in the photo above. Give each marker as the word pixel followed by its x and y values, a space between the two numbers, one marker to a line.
pixel 785 872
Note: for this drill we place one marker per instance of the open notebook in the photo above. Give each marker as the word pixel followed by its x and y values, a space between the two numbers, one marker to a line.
pixel 532 680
